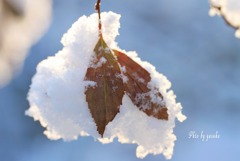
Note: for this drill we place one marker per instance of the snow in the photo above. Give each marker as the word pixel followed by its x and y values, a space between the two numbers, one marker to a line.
pixel 237 33
pixel 58 102
pixel 230 10
pixel 180 40
pixel 101 61
pixel 19 33
pixel 123 76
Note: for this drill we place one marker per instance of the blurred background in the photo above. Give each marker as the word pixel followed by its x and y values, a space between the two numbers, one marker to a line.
pixel 199 55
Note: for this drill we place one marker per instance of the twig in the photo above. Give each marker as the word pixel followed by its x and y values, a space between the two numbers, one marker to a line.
pixel 12 8
pixel 97 8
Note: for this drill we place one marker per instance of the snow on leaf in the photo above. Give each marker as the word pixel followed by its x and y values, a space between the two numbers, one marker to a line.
pixel 104 99
pixel 148 100
pixel 58 101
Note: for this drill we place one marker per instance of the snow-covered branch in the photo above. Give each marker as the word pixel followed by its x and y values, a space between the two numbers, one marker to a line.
pixel 22 23
pixel 230 12
pixel 57 95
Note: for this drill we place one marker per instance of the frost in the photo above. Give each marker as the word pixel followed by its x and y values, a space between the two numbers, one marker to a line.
pixel 22 22
pixel 58 101
pixel 154 99
pixel 90 84
pixel 123 69
pixel 107 50
pixel 123 76
pixel 99 63
pixel 229 10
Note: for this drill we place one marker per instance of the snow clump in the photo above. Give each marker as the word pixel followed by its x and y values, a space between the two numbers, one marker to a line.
pixel 58 101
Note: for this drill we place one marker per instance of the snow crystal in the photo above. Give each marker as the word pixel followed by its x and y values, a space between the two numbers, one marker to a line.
pixel 19 32
pixel 123 76
pixel 58 101
pixel 123 69
pixel 100 63
pixel 107 50
pixel 229 9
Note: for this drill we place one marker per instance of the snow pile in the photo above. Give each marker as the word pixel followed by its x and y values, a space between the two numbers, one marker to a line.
pixel 58 101
pixel 230 10
pixel 22 22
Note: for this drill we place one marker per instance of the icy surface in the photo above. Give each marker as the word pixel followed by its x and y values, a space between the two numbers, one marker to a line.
pixel 58 101
pixel 230 10
pixel 19 32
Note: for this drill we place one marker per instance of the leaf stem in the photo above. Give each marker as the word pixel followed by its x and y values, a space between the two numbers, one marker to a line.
pixel 97 8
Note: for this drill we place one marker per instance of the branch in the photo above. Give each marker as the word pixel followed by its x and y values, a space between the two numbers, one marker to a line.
pixel 219 9
pixel 12 8
pixel 97 8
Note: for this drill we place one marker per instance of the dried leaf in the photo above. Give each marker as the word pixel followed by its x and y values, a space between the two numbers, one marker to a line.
pixel 147 100
pixel 105 98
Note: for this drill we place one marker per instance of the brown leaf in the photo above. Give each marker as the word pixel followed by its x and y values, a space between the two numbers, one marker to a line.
pixel 147 100
pixel 105 98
